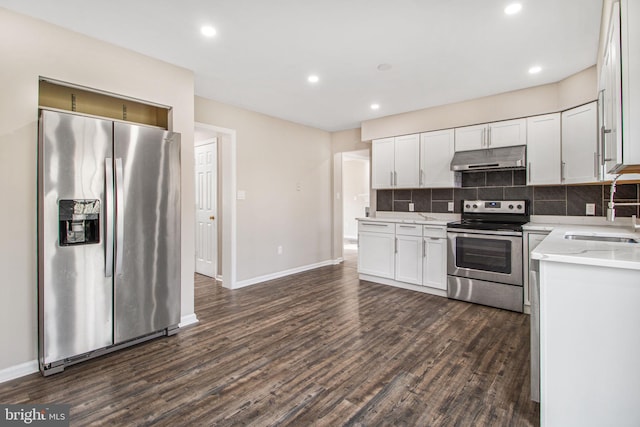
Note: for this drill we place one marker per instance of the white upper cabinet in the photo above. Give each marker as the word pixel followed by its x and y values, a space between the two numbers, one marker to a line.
pixel 507 133
pixel 470 137
pixel 543 150
pixel 580 145
pixel 382 164
pixel 396 162
pixel 491 135
pixel 436 151
pixel 620 89
pixel 407 161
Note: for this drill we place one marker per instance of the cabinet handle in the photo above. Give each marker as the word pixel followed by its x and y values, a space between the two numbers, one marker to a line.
pixel 408 226
pixel 374 224
pixel 395 179
pixel 424 248
pixel 395 246
pixel 529 173
pixel 488 137
pixel 595 164
pixel 484 131
pixel 391 179
pixel 562 166
pixel 420 179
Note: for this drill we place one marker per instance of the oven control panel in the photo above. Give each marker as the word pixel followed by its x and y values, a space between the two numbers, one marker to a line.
pixel 494 206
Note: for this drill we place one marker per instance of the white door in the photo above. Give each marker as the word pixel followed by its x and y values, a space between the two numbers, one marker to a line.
pixel 206 209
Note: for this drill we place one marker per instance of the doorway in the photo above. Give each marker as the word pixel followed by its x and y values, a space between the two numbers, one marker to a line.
pixel 224 253
pixel 206 188
pixel 355 200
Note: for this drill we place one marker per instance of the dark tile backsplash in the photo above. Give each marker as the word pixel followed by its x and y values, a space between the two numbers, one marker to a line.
pixel 509 185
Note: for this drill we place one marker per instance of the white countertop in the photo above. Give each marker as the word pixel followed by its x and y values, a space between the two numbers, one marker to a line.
pixel 556 248
pixel 426 221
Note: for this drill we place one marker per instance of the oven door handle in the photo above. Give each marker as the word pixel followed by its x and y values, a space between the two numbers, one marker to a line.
pixel 485 232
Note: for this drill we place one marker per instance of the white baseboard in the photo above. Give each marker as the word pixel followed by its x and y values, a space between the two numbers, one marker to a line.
pixel 17 371
pixel 189 319
pixel 279 274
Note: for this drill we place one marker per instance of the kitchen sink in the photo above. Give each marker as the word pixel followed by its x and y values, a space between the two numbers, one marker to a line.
pixel 601 238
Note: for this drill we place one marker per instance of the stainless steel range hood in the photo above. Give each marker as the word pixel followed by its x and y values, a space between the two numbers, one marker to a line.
pixel 490 159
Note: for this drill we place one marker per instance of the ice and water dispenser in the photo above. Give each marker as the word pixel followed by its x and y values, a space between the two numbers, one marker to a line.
pixel 79 222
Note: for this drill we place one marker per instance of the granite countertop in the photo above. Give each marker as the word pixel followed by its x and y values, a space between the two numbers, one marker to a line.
pixel 556 248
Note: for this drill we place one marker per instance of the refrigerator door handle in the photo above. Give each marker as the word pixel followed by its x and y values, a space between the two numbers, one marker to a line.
pixel 108 178
pixel 119 216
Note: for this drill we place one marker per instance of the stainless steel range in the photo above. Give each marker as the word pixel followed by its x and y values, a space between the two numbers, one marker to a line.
pixel 484 262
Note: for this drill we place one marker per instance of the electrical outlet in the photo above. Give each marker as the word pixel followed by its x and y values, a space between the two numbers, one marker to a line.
pixel 280 250
pixel 411 207
pixel 591 209
pixel 450 206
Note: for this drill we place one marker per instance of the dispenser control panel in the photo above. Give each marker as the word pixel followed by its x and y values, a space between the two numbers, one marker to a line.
pixel 79 222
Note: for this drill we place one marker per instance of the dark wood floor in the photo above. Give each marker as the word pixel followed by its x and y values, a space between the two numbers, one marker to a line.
pixel 317 348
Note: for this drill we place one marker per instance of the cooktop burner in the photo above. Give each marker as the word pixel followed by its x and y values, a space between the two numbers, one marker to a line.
pixel 508 215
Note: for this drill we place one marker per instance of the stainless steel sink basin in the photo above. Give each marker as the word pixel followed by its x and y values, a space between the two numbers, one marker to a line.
pixel 601 238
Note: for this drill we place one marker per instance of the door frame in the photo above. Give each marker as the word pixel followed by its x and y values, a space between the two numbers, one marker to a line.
pixel 227 165
pixel 214 244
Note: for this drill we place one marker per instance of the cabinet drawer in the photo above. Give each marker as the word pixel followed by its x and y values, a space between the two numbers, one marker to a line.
pixel 377 227
pixel 409 229
pixel 434 231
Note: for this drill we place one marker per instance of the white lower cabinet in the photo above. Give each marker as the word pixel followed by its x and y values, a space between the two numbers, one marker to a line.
pixel 411 255
pixel 434 269
pixel 376 249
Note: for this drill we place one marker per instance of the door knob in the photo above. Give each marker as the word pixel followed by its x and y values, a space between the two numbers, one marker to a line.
pixel 212 217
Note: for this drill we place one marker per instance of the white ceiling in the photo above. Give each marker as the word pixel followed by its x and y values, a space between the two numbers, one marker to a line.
pixel 441 51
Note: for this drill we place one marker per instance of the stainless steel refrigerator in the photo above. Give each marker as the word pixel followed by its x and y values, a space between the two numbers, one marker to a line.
pixel 108 236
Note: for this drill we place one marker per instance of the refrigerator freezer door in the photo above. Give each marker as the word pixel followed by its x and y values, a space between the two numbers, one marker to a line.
pixel 74 294
pixel 147 286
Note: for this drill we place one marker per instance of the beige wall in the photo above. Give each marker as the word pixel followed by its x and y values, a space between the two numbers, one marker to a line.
pixel 285 171
pixel 575 90
pixel 29 49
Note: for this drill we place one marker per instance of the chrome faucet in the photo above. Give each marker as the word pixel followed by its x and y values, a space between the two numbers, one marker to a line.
pixel 611 210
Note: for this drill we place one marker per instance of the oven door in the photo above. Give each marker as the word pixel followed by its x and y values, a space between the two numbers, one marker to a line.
pixel 494 256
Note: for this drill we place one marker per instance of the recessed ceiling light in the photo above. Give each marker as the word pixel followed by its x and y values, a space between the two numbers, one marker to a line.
pixel 513 8
pixel 535 69
pixel 375 106
pixel 313 78
pixel 208 31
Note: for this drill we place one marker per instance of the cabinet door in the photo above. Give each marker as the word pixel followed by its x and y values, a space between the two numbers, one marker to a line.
pixel 409 259
pixel 543 150
pixel 580 144
pixel 470 138
pixel 507 133
pixel 612 89
pixel 382 154
pixel 407 161
pixel 376 254
pixel 435 263
pixel 436 151
pixel 532 241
